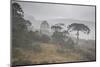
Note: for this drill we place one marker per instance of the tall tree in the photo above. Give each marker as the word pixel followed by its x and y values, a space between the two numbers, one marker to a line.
pixel 18 22
pixel 17 10
pixel 78 27
pixel 20 33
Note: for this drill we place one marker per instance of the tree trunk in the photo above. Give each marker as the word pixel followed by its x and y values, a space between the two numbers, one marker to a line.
pixel 77 34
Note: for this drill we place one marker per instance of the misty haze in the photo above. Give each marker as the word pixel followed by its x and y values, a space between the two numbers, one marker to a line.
pixel 52 33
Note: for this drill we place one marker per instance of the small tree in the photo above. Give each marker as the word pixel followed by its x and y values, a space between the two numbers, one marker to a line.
pixel 78 27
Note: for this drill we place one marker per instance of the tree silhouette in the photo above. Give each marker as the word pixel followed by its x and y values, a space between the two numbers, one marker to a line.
pixel 65 33
pixel 78 27
pixel 17 10
pixel 20 34
pixel 58 36
pixel 56 28
pixel 60 24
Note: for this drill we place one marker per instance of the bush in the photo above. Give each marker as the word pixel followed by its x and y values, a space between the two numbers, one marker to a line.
pixel 69 44
pixel 60 50
pixel 18 58
pixel 45 38
pixel 36 47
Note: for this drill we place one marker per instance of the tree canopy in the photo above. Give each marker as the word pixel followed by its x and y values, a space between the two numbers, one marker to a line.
pixel 78 27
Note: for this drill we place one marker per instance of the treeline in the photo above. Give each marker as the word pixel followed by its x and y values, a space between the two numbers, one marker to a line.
pixel 22 37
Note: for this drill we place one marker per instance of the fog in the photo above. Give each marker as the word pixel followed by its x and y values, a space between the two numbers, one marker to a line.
pixel 57 13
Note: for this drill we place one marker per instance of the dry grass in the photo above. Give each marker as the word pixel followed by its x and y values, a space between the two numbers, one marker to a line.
pixel 49 54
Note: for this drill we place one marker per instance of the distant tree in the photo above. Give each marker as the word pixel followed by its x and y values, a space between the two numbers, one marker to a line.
pixel 60 24
pixel 44 28
pixel 58 35
pixel 65 33
pixel 28 23
pixel 56 28
pixel 78 27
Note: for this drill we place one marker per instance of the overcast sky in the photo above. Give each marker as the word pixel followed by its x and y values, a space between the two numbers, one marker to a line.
pixel 43 11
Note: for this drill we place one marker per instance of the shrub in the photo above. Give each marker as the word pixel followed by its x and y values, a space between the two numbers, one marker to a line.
pixel 36 47
pixel 60 50
pixel 45 38
pixel 69 44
